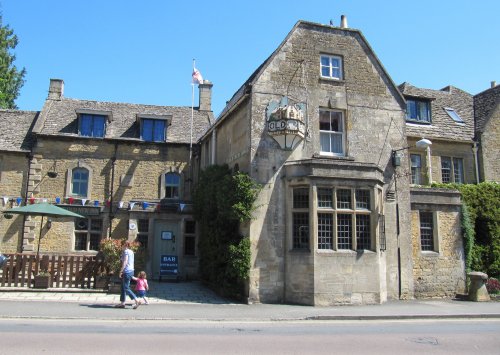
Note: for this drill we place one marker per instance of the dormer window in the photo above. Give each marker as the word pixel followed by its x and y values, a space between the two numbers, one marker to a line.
pixel 92 123
pixel 154 128
pixel 418 110
pixel 453 115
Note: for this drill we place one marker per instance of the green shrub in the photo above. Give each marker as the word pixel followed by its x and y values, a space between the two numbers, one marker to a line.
pixel 222 200
pixel 483 207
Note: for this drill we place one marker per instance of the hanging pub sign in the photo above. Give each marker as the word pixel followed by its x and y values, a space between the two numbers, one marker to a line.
pixel 285 122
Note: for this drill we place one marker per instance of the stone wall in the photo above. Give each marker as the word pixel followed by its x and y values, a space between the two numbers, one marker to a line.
pixel 439 273
pixel 490 148
pixel 13 167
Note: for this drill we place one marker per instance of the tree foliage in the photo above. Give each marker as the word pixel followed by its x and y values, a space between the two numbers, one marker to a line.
pixel 223 200
pixel 483 207
pixel 11 78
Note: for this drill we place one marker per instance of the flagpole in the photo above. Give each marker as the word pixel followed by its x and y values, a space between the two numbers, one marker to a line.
pixel 192 114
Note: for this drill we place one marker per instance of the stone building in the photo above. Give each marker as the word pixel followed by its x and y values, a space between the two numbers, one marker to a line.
pixel 487 120
pixel 15 150
pixel 446 119
pixel 127 168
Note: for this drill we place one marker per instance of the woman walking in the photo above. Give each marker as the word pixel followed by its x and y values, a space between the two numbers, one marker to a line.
pixel 126 274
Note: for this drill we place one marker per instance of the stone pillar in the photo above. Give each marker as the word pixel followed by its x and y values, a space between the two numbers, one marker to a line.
pixel 477 288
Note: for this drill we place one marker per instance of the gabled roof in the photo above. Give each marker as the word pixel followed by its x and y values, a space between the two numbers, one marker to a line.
pixel 484 106
pixel 246 87
pixel 16 127
pixel 442 125
pixel 59 118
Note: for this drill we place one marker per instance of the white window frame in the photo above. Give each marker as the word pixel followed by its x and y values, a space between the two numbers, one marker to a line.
pixel 163 182
pixel 331 67
pixel 453 170
pixel 339 134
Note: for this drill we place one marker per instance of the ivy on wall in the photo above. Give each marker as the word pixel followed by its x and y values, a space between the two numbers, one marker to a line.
pixel 481 225
pixel 223 200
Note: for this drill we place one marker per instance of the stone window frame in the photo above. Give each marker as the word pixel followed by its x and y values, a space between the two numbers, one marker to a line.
pixel 334 211
pixel 453 169
pixel 342 133
pixel 69 180
pixel 331 56
pixel 163 182
pixel 435 232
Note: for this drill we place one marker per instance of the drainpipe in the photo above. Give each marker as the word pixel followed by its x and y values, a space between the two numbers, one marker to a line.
pixel 476 164
pixel 111 216
pixel 30 161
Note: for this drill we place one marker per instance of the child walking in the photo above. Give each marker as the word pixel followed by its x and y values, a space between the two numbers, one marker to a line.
pixel 141 286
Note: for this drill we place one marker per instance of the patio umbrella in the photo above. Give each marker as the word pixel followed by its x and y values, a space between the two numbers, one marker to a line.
pixel 43 210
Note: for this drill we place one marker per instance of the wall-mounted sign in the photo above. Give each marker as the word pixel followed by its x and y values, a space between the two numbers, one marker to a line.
pixel 285 122
pixel 166 235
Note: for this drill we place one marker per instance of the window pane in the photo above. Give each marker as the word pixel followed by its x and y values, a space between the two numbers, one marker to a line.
pixel 426 231
pixel 79 182
pixel 172 184
pixel 147 130
pixel 86 125
pixel 336 143
pixel 159 131
pixel 445 170
pixel 411 109
pixel 344 231
pixel 423 111
pixel 80 241
pixel 458 170
pixel 363 199
pixel 363 238
pixel 344 199
pixel 416 171
pixel 325 198
pixel 189 245
pixel 325 142
pixel 94 241
pixel 98 126
pixel 325 231
pixel 96 224
pixel 190 227
pixel 301 197
pixel 300 230
pixel 143 226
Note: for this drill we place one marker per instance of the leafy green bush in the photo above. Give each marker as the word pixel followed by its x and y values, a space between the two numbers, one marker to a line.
pixel 483 207
pixel 223 200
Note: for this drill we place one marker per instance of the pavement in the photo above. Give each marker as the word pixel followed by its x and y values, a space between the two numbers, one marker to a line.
pixel 192 301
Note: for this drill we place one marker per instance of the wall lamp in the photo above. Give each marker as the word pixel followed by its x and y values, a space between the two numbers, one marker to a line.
pixel 421 144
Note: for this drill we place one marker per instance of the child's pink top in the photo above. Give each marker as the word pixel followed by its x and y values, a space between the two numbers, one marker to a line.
pixel 142 285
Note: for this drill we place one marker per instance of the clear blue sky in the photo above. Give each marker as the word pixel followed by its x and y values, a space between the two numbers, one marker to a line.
pixel 142 51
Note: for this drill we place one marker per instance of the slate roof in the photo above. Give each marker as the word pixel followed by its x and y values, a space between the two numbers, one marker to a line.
pixel 442 125
pixel 59 118
pixel 16 130
pixel 484 106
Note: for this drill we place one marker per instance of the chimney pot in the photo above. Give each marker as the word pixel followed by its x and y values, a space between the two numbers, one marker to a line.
pixel 56 89
pixel 493 83
pixel 343 21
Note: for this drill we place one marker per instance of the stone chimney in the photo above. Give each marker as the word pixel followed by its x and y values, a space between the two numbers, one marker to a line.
pixel 205 95
pixel 493 84
pixel 343 21
pixel 56 89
